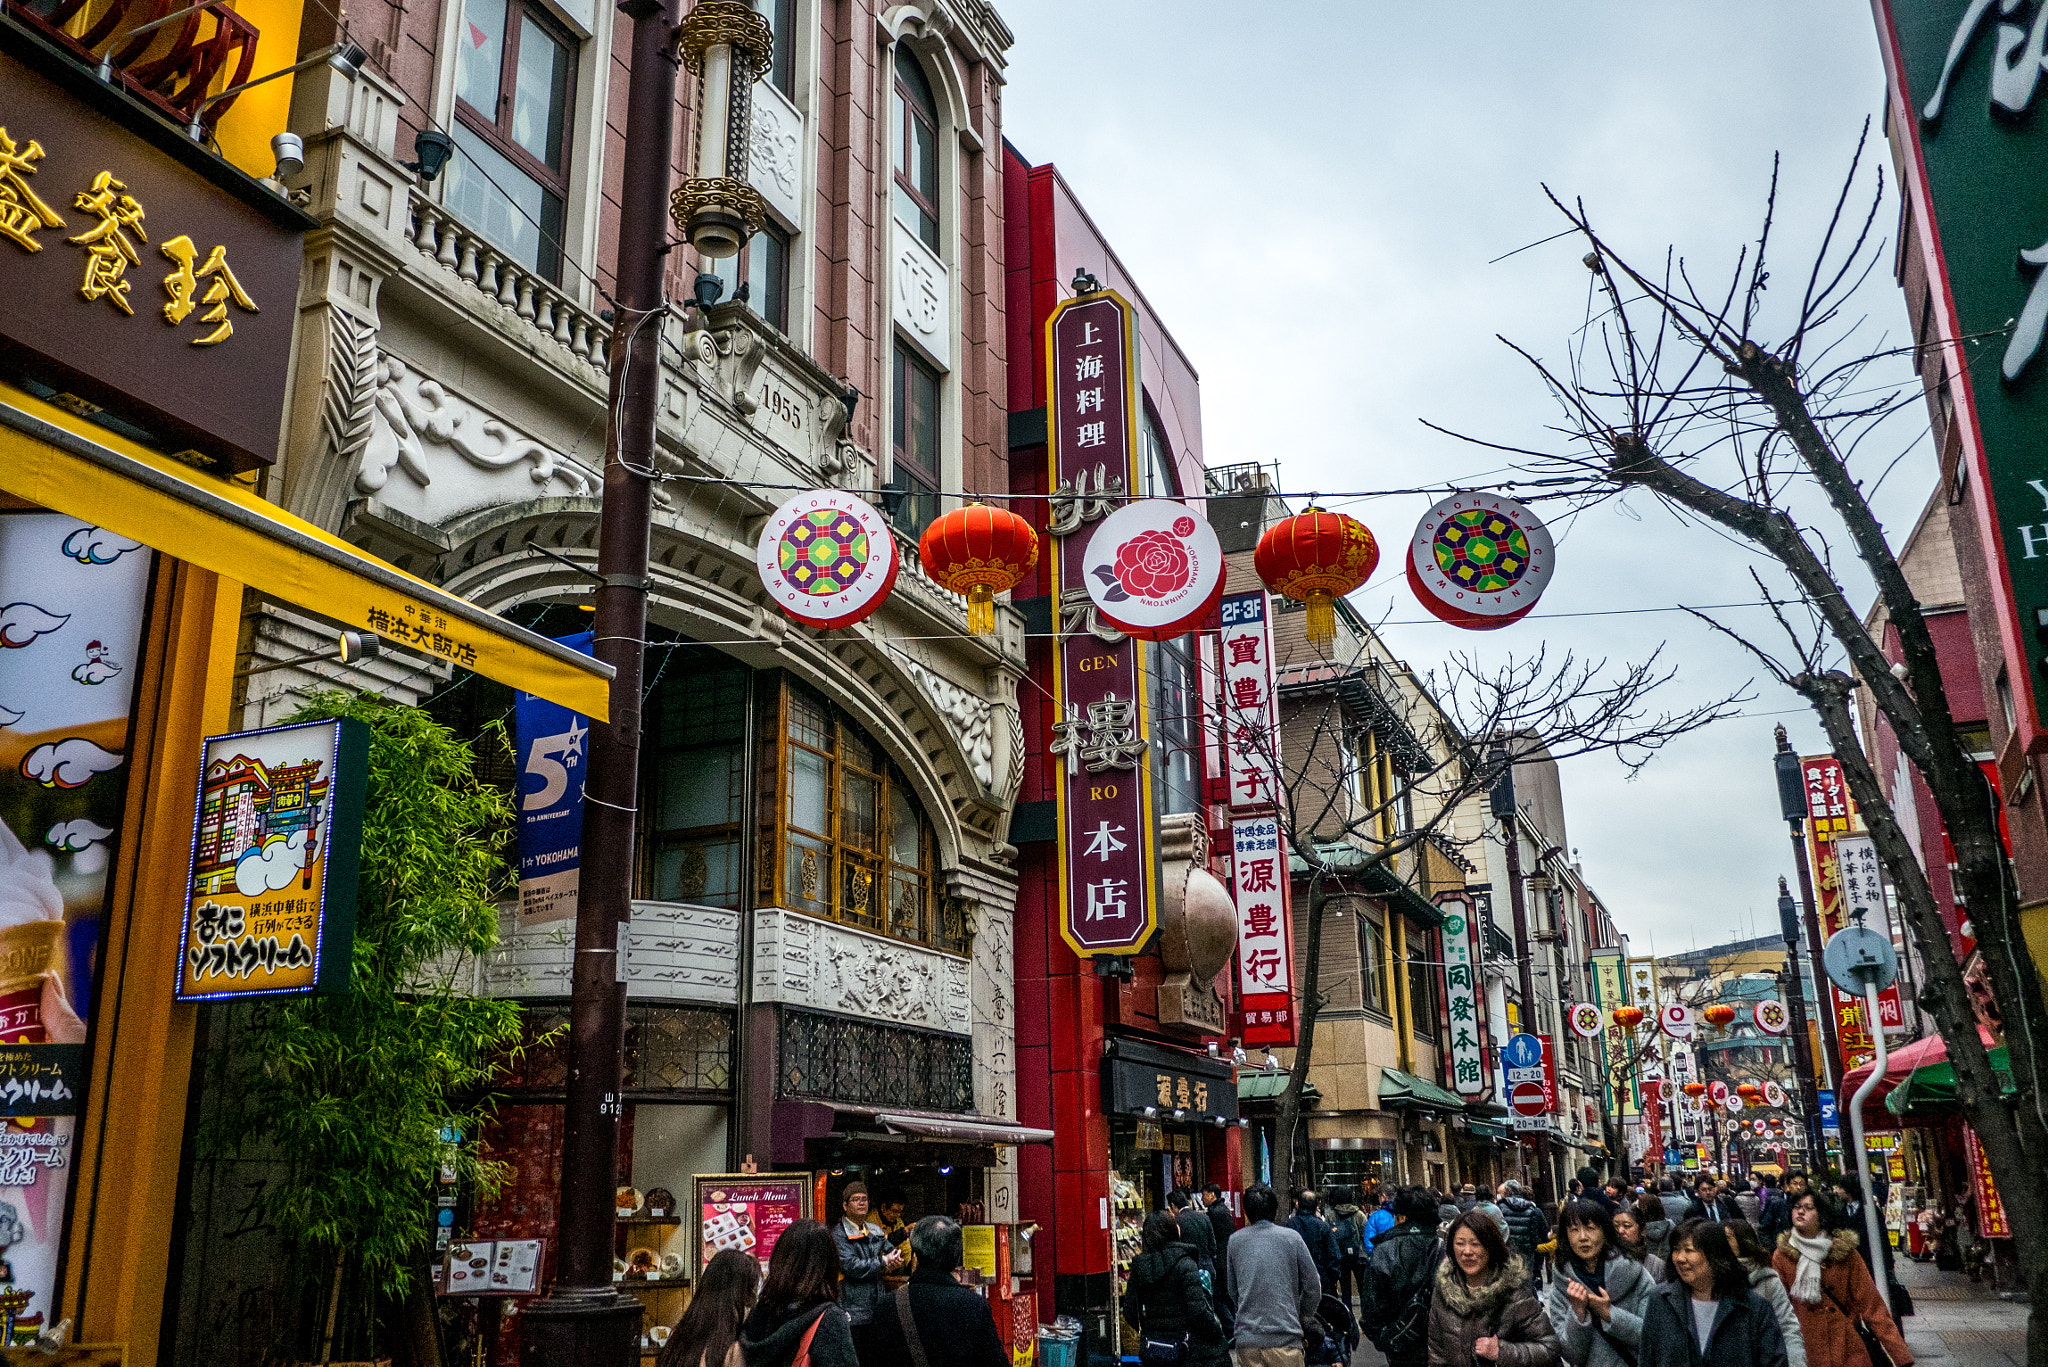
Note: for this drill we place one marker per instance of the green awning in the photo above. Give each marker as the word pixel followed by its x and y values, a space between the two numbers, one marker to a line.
pixel 1930 1090
pixel 1489 1129
pixel 1399 1091
pixel 1373 878
pixel 1268 1086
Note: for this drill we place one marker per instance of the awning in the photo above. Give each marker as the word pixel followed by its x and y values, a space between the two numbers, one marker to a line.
pixel 962 1130
pixel 1489 1129
pixel 1401 1091
pixel 61 462
pixel 1929 1091
pixel 1268 1086
pixel 1374 879
pixel 1899 1065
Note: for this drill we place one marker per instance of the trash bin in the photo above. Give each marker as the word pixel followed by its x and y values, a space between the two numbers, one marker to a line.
pixel 1059 1343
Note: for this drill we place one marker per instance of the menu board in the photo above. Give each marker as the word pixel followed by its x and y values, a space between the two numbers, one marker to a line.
pixel 493 1267
pixel 978 1249
pixel 747 1211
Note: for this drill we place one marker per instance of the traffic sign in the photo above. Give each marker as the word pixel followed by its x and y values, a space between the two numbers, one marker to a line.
pixel 1522 1051
pixel 1856 955
pixel 1527 1098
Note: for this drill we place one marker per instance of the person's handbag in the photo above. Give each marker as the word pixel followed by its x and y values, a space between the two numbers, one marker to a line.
pixel 803 1347
pixel 1160 1352
pixel 1872 1344
pixel 909 1322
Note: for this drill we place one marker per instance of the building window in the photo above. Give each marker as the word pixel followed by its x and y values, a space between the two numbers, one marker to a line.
pixel 762 269
pixel 514 80
pixel 1372 939
pixel 1172 681
pixel 1421 984
pixel 1382 797
pixel 855 846
pixel 698 786
pixel 915 444
pixel 781 17
pixel 917 150
pixel 1160 479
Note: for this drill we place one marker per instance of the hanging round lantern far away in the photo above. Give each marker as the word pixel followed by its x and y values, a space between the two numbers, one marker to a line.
pixel 1628 1017
pixel 1749 1091
pixel 1719 1014
pixel 1316 557
pixel 979 551
pixel 1695 1090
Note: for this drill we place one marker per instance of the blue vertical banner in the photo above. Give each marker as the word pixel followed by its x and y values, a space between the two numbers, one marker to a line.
pixel 552 747
pixel 1830 1119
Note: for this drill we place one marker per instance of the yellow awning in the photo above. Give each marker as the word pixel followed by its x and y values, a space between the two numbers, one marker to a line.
pixel 62 462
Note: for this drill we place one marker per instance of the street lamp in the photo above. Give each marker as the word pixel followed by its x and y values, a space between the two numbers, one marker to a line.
pixel 726 46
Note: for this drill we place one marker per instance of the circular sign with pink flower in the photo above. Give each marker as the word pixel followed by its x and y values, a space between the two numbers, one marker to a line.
pixel 1154 569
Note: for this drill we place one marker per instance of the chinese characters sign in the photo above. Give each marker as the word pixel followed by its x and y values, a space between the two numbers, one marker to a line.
pixel 1465 1059
pixel 1250 720
pixel 1099 736
pixel 1265 933
pixel 1857 866
pixel 1832 818
pixel 139 286
pixel 1142 1078
pixel 271 904
pixel 1991 1221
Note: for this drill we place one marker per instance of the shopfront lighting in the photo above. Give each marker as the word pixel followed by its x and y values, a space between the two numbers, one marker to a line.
pixel 433 148
pixel 1150 1113
pixel 946 1170
pixel 1237 1054
pixel 1179 1114
pixel 726 46
pixel 346 58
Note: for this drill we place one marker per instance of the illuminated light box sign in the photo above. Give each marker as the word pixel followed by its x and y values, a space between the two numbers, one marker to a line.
pixel 271 905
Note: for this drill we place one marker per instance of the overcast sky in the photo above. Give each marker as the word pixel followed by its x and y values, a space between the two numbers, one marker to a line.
pixel 1310 194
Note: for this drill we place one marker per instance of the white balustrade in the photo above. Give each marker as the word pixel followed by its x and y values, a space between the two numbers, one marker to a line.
pixel 456 248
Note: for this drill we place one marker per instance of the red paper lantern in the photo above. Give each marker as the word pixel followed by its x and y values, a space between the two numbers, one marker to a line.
pixel 1719 1014
pixel 1695 1090
pixel 1749 1091
pixel 1316 557
pixel 1628 1017
pixel 979 551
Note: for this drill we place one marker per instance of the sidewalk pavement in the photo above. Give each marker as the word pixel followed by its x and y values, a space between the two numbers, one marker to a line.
pixel 1960 1323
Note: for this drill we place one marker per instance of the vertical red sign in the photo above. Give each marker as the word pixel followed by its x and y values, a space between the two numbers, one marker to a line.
pixel 1100 736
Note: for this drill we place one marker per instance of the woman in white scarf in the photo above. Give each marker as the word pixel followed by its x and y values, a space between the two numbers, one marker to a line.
pixel 1831 1289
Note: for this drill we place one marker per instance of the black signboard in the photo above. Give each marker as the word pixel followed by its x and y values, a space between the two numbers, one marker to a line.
pixel 41 1079
pixel 1153 1081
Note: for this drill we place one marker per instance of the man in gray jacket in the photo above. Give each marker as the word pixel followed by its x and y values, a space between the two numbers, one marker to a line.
pixel 1274 1285
pixel 864 1255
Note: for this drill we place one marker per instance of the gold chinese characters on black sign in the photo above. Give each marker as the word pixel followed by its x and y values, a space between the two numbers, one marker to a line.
pixel 137 284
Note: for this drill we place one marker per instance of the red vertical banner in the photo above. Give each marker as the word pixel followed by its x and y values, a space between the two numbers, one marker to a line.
pixel 1991 1221
pixel 1265 931
pixel 1100 737
pixel 1832 815
pixel 1549 1074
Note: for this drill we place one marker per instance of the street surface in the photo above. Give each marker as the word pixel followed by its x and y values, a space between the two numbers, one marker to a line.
pixel 1956 1323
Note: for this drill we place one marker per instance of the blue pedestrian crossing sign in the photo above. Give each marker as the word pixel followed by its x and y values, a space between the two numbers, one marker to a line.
pixel 1522 1051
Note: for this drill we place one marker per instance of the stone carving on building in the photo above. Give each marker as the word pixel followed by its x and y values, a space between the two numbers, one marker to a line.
pixel 416 419
pixel 972 720
pixel 674 952
pixel 995 1025
pixel 775 153
pixel 920 289
pixel 804 961
pixel 347 399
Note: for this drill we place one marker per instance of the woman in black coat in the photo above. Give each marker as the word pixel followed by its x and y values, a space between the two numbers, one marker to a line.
pixel 1706 1315
pixel 1165 1298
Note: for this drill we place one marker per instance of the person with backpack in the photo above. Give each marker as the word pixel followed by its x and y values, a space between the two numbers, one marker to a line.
pixel 1347 1224
pixel 1394 1302
pixel 1166 1302
pixel 1527 1230
pixel 1315 1232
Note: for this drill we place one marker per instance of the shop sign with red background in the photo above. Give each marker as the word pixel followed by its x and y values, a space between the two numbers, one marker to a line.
pixel 1265 934
pixel 1107 893
pixel 1991 1221
pixel 1831 813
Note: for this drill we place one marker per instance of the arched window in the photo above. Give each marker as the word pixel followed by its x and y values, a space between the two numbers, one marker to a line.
pixel 917 150
pixel 853 845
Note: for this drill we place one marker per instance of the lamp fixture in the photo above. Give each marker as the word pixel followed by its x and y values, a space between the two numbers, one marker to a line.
pixel 346 58
pixel 1150 1112
pixel 1179 1114
pixel 288 150
pixel 352 647
pixel 433 148
pixel 1213 1049
pixel 726 46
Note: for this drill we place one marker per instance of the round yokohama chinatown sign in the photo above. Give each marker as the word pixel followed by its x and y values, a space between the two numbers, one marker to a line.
pixel 1585 1019
pixel 1771 1016
pixel 1774 1095
pixel 1480 561
pixel 827 558
pixel 1154 569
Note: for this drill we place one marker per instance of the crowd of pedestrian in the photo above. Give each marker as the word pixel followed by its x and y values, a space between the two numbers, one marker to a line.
pixel 1622 1276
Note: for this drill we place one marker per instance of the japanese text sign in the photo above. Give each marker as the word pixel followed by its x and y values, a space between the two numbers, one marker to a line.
pixel 1250 718
pixel 1265 933
pixel 1100 734
pixel 1144 1077
pixel 1833 830
pixel 138 286
pixel 271 903
pixel 1991 1220
pixel 1464 1002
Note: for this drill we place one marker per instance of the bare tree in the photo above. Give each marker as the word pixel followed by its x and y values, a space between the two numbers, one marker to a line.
pixel 1468 722
pixel 1687 396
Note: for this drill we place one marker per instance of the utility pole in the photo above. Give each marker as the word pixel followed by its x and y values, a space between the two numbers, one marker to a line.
pixel 584 1321
pixel 1802 1045
pixel 1792 804
pixel 1502 802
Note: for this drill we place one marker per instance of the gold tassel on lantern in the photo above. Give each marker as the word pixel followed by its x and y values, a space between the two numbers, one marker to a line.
pixel 1322 619
pixel 981 611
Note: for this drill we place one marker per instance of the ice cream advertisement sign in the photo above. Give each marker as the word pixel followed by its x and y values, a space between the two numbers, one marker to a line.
pixel 272 902
pixel 72 598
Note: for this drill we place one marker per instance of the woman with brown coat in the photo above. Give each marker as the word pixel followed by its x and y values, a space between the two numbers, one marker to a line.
pixel 1831 1289
pixel 1483 1311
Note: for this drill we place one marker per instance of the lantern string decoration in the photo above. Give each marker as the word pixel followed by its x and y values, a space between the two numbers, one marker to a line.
pixel 979 551
pixel 1316 557
pixel 1628 1017
pixel 1719 1015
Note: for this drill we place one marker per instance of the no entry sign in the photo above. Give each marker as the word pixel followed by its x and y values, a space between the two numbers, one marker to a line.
pixel 1527 1098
